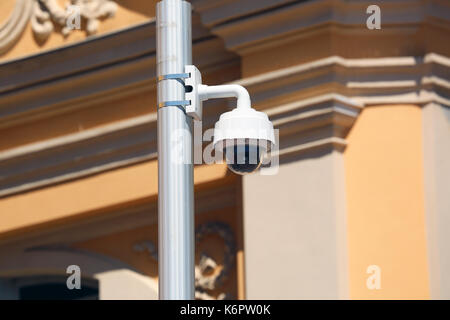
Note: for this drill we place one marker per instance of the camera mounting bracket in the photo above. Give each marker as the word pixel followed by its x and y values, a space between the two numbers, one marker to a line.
pixel 196 92
pixel 193 86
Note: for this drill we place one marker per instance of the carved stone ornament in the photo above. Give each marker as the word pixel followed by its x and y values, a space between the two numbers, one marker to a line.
pixel 46 14
pixel 208 274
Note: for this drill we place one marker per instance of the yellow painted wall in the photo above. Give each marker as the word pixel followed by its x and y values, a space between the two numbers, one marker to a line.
pixel 93 195
pixel 386 222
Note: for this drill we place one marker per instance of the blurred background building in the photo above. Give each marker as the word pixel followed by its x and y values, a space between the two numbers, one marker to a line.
pixel 359 208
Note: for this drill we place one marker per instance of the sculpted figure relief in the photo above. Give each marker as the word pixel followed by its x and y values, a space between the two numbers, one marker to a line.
pixel 209 274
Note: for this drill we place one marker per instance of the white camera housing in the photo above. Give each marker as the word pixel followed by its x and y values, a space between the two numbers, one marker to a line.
pixel 244 123
pixel 244 135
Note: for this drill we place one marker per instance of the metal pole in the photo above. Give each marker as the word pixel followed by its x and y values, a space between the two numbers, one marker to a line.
pixel 175 155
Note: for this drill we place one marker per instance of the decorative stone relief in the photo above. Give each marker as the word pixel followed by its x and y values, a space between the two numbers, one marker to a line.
pixel 209 275
pixel 46 14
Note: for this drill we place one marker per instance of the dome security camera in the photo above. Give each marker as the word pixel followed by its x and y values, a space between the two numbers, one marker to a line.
pixel 244 135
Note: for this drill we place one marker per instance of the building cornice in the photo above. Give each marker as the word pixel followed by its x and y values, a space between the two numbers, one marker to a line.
pixel 78 155
pixel 315 123
pixel 417 80
pixel 134 140
pixel 220 12
pixel 100 69
pixel 271 23
pixel 313 105
pixel 117 220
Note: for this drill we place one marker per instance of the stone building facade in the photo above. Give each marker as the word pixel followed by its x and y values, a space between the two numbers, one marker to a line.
pixel 359 206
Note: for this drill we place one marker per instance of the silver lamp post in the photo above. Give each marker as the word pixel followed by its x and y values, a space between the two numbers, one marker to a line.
pixel 175 153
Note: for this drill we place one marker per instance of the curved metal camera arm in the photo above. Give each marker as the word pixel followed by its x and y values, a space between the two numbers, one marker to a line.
pixel 196 93
pixel 226 91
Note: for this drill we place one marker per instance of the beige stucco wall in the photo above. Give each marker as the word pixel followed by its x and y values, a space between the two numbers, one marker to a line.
pixel 294 230
pixel 436 138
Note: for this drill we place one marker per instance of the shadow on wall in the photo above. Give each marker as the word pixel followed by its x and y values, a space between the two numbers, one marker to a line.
pixel 145 7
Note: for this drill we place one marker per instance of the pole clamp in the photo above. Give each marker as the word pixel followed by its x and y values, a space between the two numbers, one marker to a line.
pixel 180 78
pixel 191 80
pixel 180 103
pixel 175 76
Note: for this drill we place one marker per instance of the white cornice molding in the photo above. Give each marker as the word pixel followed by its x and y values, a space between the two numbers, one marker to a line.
pixel 314 123
pixel 273 22
pixel 418 80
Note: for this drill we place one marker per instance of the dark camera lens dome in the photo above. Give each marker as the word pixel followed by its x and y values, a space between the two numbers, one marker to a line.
pixel 244 158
